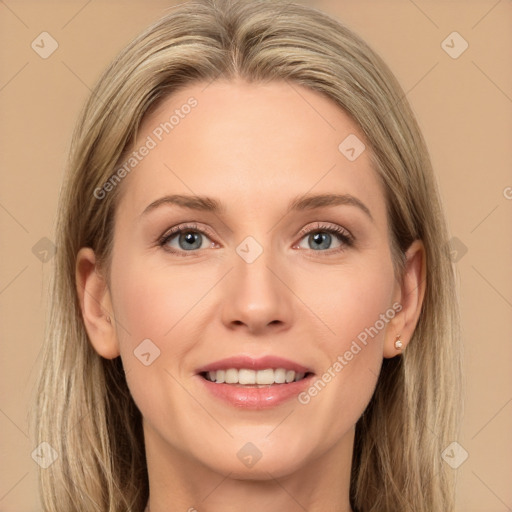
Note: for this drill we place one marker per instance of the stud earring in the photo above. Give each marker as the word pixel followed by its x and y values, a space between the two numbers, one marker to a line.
pixel 108 319
pixel 398 343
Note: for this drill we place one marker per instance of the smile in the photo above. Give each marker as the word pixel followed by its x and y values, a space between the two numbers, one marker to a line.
pixel 248 382
pixel 256 378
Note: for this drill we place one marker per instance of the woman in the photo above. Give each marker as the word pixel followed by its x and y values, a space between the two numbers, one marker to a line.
pixel 253 304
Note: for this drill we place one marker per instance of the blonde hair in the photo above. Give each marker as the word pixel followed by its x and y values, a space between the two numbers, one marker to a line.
pixel 84 409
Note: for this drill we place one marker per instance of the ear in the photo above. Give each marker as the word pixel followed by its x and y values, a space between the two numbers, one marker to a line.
pixel 96 305
pixel 409 294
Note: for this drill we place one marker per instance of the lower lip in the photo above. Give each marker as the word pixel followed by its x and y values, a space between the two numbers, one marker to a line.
pixel 256 398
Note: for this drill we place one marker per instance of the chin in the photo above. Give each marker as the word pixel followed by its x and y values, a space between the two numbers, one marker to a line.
pixel 250 463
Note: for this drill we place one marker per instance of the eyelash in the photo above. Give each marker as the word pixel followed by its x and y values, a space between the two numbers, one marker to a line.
pixel 342 234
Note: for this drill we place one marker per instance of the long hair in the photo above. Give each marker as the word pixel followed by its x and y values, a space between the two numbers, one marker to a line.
pixel 84 409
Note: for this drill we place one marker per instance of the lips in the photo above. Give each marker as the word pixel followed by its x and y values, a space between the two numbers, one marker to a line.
pixel 254 383
pixel 250 363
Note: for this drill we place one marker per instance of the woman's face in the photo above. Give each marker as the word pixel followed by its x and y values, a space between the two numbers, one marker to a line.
pixel 264 274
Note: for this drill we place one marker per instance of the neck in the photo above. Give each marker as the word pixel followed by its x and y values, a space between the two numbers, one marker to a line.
pixel 179 483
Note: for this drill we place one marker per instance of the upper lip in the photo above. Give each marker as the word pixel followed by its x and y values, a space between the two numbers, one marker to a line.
pixel 254 363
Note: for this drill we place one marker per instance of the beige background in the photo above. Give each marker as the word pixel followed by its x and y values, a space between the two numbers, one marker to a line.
pixel 464 107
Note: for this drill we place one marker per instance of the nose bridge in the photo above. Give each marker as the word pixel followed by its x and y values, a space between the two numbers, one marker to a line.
pixel 256 296
pixel 252 262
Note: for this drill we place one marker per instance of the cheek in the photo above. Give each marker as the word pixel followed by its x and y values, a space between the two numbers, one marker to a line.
pixel 357 309
pixel 354 303
pixel 160 303
pixel 151 307
pixel 152 302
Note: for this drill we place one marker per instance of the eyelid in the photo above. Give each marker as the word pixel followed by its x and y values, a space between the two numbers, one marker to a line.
pixel 322 226
pixel 191 226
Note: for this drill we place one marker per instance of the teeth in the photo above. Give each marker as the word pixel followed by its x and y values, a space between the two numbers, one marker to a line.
pixel 245 376
pixel 280 376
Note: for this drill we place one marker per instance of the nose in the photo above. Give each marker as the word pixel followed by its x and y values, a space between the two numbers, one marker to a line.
pixel 256 297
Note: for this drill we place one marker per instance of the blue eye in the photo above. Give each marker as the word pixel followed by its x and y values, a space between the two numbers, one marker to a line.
pixel 321 237
pixel 190 238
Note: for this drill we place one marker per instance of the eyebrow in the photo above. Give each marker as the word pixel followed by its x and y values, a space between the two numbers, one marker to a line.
pixel 301 203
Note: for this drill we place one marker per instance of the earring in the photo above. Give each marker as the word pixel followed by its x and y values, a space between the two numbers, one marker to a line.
pixel 398 343
pixel 108 319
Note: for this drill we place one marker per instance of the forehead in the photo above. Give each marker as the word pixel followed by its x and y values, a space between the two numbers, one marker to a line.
pixel 251 145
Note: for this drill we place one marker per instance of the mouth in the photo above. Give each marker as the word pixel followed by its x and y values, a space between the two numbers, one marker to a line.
pixel 257 383
pixel 249 378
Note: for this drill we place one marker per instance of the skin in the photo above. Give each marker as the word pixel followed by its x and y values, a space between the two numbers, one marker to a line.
pixel 253 147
